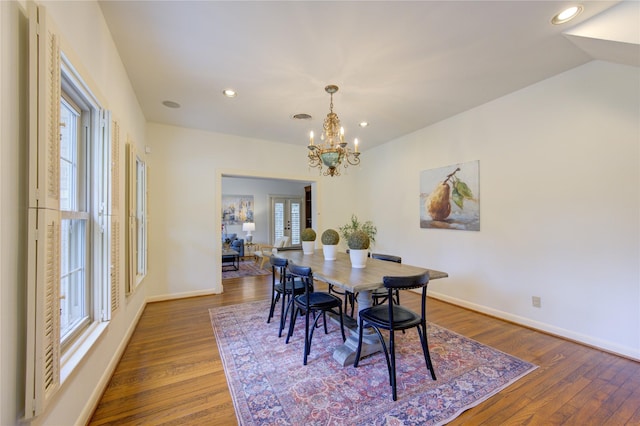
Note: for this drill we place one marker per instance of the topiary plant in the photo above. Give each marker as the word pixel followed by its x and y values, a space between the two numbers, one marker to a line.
pixel 330 237
pixel 308 234
pixel 358 240
pixel 355 225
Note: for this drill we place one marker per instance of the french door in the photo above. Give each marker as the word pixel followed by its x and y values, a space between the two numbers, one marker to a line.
pixel 286 218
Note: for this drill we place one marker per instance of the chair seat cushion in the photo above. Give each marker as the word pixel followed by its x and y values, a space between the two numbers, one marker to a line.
pixel 319 300
pixel 379 316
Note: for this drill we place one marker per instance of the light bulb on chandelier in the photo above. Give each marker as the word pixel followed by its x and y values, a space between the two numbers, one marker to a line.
pixel 333 151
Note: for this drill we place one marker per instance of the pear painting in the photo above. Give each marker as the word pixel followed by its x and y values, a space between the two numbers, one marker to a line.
pixel 449 197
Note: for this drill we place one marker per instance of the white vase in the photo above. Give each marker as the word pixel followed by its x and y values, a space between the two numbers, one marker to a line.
pixel 330 251
pixel 358 258
pixel 308 247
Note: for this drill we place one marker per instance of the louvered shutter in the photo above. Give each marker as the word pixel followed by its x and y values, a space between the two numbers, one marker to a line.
pixel 131 265
pixel 43 274
pixel 115 217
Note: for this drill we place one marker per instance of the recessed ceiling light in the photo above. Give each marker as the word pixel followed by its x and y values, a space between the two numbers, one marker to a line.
pixel 567 15
pixel 363 124
pixel 229 93
pixel 171 104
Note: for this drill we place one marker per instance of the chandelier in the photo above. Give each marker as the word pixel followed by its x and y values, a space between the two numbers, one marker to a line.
pixel 333 150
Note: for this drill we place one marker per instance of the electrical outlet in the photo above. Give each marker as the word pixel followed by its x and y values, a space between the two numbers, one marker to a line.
pixel 536 301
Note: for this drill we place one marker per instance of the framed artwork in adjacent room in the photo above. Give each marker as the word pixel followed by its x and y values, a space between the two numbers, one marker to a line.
pixel 237 209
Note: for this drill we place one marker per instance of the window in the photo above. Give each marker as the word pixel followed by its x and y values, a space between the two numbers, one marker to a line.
pixel 69 290
pixel 141 218
pixel 137 219
pixel 75 310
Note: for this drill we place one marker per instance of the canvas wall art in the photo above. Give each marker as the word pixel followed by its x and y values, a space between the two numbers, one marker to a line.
pixel 237 209
pixel 450 197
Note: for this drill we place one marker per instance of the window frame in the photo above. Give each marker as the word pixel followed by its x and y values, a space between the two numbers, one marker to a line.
pixel 77 213
pixel 93 196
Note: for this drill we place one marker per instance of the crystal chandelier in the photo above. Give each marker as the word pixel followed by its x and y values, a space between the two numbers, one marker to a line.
pixel 333 150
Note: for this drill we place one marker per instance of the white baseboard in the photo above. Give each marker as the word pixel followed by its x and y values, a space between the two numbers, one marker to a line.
pixel 164 297
pixel 547 328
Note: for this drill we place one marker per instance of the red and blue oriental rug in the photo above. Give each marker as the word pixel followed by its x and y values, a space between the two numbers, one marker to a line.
pixel 269 385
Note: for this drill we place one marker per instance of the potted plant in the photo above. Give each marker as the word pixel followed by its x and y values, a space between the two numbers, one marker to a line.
pixel 308 237
pixel 355 225
pixel 358 243
pixel 330 239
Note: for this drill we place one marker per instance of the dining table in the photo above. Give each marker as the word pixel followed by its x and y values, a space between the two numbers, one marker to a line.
pixel 359 281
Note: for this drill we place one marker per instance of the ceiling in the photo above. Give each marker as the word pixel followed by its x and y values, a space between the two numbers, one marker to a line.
pixel 400 66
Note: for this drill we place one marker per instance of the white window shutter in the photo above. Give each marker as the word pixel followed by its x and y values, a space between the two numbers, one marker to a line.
pixel 131 264
pixel 44 111
pixel 43 303
pixel 115 217
pixel 115 264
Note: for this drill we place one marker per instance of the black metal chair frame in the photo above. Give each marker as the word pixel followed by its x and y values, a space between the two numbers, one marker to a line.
pixel 282 288
pixel 312 303
pixel 392 317
pixel 379 296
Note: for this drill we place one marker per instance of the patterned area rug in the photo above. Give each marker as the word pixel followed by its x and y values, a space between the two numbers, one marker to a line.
pixel 247 268
pixel 269 384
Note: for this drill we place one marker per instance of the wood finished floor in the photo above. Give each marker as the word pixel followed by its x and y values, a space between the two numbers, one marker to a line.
pixel 171 372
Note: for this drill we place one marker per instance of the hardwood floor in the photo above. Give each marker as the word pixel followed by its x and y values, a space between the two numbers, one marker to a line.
pixel 171 372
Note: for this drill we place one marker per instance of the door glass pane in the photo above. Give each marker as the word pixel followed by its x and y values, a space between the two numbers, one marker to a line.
pixel 296 218
pixel 278 220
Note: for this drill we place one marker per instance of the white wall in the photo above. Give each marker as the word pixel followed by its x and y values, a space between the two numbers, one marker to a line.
pixel 559 202
pixel 87 42
pixel 13 127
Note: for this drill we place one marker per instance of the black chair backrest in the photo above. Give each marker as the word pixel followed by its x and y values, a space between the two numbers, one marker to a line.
pixel 278 261
pixel 279 265
pixel 406 283
pixel 387 257
pixel 305 274
pixel 300 271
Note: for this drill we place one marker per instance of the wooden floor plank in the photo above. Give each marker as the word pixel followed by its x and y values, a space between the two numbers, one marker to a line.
pixel 171 372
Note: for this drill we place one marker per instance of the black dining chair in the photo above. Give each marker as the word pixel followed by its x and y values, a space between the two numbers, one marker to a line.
pixel 379 295
pixel 316 303
pixel 391 316
pixel 282 288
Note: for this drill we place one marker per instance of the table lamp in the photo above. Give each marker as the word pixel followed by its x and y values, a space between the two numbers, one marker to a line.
pixel 249 227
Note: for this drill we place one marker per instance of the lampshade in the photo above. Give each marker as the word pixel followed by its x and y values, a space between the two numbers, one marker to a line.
pixel 248 226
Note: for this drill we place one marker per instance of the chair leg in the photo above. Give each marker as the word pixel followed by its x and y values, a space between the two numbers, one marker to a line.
pixel 285 299
pixel 274 300
pixel 422 332
pixel 359 349
pixel 307 338
pixel 292 322
pixel 392 369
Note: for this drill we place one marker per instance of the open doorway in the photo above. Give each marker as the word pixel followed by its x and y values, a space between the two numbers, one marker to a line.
pixel 281 206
